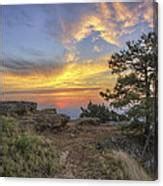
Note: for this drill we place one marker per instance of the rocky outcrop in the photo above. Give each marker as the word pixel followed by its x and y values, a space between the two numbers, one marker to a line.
pixel 49 121
pixel 48 111
pixel 17 107
pixel 44 120
pixel 27 115
pixel 87 121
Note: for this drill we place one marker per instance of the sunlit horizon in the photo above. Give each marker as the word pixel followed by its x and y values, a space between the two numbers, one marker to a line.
pixel 57 55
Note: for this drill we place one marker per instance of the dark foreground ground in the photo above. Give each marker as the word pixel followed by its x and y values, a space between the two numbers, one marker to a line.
pixel 47 144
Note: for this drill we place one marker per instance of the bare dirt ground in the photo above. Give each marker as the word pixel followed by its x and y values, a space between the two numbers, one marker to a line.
pixel 82 157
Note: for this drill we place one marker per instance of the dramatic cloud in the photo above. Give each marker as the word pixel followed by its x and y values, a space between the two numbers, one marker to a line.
pixel 60 52
pixel 110 20
pixel 89 73
pixel 88 24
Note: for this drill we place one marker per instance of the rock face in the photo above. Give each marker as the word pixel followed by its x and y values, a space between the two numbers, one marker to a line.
pixel 17 107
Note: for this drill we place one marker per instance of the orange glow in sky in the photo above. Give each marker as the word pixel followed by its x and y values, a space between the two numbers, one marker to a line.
pixel 58 54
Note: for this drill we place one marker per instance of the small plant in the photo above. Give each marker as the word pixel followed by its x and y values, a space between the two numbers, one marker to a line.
pixel 25 143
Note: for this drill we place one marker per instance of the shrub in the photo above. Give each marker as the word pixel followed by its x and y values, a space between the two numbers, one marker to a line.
pixel 101 112
pixel 25 154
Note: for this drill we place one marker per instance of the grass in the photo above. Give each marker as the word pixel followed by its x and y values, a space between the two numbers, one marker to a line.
pixel 26 154
pixel 88 163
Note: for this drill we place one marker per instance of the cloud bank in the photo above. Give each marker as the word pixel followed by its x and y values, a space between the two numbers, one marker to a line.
pixel 110 20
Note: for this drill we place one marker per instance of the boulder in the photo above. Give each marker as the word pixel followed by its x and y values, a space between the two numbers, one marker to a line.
pixel 44 121
pixel 17 107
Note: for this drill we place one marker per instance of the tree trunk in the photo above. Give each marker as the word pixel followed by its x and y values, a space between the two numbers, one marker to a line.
pixel 147 92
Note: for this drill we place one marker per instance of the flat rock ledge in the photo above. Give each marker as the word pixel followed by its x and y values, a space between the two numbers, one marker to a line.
pixel 27 114
pixel 17 107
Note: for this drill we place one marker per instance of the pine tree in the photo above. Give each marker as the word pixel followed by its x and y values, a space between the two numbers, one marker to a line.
pixel 136 87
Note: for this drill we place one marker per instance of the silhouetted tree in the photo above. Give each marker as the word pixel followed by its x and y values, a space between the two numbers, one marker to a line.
pixel 136 87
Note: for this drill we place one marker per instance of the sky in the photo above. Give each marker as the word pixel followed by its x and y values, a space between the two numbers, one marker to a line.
pixel 57 54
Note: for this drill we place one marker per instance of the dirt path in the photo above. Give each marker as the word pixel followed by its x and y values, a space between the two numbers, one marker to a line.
pixel 77 144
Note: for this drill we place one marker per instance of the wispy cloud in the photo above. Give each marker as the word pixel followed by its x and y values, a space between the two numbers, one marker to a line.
pixel 52 91
pixel 71 55
pixel 94 26
pixel 110 20
pixel 24 67
pixel 52 76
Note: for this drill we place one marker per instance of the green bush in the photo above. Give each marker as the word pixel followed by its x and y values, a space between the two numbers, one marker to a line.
pixel 26 143
pixel 101 112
